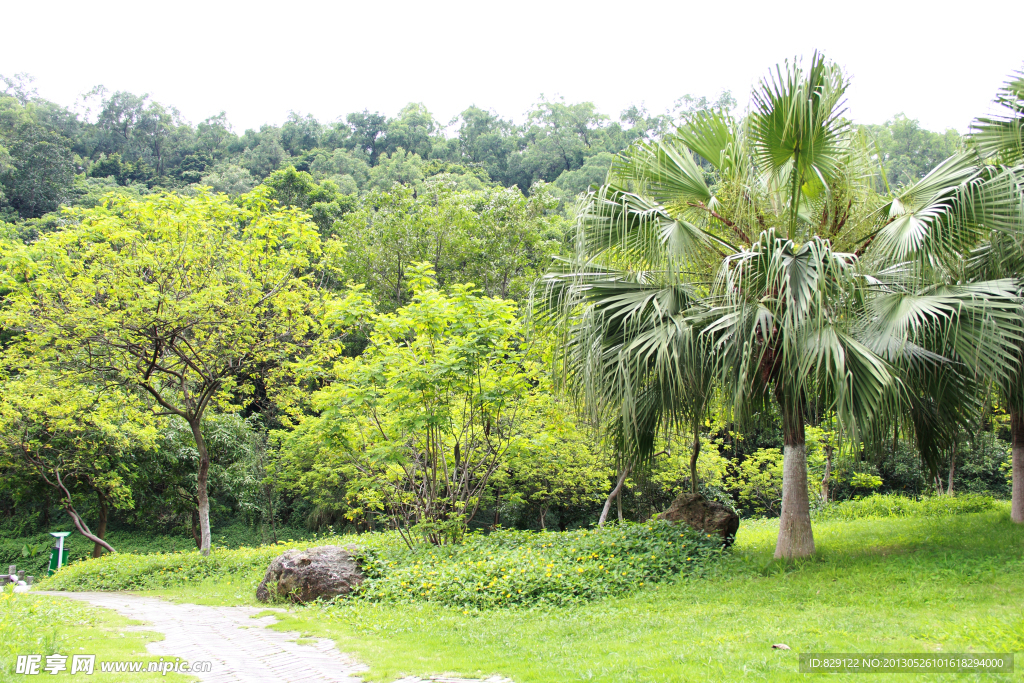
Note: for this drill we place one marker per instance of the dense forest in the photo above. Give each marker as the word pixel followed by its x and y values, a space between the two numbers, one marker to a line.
pixel 355 339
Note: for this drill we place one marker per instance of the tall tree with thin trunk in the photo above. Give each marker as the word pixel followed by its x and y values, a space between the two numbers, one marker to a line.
pixel 185 299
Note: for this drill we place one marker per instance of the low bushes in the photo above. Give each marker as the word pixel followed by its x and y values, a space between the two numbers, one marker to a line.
pixel 526 568
pixel 129 542
pixel 892 505
pixel 502 568
pixel 126 571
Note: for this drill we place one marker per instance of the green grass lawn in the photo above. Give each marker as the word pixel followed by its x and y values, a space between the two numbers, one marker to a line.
pixel 44 625
pixel 949 584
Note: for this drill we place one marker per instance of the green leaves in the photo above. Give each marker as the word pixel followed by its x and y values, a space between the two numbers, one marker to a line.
pixel 182 295
pixel 1001 137
pixel 798 129
pixel 429 411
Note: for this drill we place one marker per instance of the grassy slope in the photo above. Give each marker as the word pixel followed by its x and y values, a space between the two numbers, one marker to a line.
pixel 880 585
pixel 40 624
pixel 893 585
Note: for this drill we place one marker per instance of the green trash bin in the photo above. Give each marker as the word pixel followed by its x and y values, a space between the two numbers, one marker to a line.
pixel 54 552
pixel 58 555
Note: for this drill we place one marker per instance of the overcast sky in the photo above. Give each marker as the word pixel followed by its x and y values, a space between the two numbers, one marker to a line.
pixel 937 62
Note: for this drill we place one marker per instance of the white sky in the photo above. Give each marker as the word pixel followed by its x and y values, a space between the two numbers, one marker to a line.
pixel 937 61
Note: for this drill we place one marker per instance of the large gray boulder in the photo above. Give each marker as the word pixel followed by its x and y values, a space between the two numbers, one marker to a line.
pixel 709 516
pixel 305 575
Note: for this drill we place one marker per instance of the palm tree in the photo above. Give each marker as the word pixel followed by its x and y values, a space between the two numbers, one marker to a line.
pixel 964 222
pixel 1000 139
pixel 736 246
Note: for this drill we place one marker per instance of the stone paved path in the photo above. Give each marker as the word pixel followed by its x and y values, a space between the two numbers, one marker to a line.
pixel 240 648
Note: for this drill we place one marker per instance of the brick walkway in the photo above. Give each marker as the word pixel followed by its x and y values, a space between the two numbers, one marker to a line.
pixel 240 648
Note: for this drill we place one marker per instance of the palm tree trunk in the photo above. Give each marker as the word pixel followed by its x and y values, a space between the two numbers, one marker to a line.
pixel 795 536
pixel 1017 444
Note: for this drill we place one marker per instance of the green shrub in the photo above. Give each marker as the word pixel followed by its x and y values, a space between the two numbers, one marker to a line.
pixel 507 568
pixel 894 505
pixel 127 571
pixel 125 542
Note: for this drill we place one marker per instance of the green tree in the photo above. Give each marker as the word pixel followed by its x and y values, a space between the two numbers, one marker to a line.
pixel 300 133
pixel 369 133
pixel 488 141
pixel 229 179
pixel 188 299
pixel 414 131
pixel 991 214
pixel 321 200
pixel 559 467
pixel 430 410
pixel 36 165
pixel 497 239
pixel 398 168
pixel 266 154
pixel 906 152
pixel 72 435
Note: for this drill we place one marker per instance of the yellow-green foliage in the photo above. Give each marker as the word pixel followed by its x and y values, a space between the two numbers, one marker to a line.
pixel 508 568
pixel 900 506
pixel 672 471
pixel 125 571
pixel 758 479
pixel 29 626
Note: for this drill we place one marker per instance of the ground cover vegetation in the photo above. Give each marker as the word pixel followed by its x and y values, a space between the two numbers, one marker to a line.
pixel 42 625
pixel 225 340
pixel 914 583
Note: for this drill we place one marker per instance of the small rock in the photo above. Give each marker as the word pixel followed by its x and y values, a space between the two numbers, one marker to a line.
pixel 709 516
pixel 305 575
pixel 781 646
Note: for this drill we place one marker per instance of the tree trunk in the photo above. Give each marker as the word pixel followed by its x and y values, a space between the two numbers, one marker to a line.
pixel 827 479
pixel 694 454
pixel 195 529
pixel 101 527
pixel 83 528
pixel 76 518
pixel 613 494
pixel 952 469
pixel 543 514
pixel 796 538
pixel 202 483
pixel 1017 443
pixel 618 504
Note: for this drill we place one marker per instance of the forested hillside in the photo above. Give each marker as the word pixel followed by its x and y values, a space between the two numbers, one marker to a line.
pixel 53 155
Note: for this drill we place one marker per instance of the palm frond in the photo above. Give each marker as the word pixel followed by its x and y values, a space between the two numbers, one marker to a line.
pixel 1001 137
pixel 940 218
pixel 798 127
